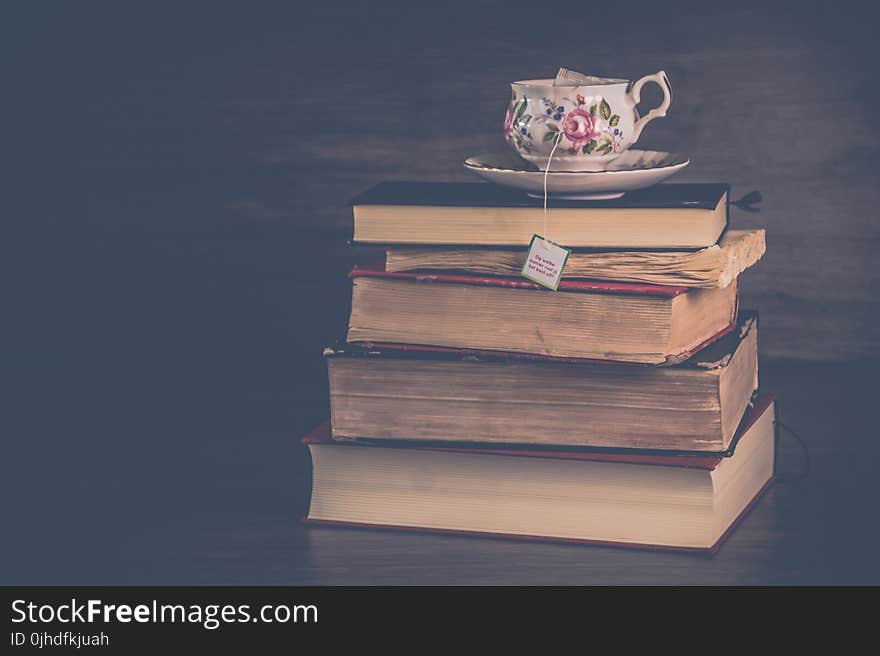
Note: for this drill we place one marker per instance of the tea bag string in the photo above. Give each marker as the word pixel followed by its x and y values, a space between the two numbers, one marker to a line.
pixel 546 234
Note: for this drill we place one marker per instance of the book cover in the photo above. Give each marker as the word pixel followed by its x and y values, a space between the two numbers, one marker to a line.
pixel 480 194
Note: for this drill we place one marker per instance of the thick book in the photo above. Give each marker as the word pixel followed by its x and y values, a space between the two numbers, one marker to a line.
pixel 715 266
pixel 626 322
pixel 463 213
pixel 635 499
pixel 430 395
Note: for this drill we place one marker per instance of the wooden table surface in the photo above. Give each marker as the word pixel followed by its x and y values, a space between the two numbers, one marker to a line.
pixel 172 290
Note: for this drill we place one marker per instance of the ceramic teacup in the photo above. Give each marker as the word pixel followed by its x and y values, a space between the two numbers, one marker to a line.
pixel 593 124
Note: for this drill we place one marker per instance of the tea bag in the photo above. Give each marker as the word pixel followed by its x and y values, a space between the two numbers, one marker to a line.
pixel 567 78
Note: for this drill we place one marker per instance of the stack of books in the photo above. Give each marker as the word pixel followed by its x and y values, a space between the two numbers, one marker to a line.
pixel 621 408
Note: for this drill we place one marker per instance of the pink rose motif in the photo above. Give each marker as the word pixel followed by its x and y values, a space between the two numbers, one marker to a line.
pixel 508 121
pixel 579 126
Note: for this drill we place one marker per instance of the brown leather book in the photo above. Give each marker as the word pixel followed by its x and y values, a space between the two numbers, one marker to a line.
pixel 429 394
pixel 585 319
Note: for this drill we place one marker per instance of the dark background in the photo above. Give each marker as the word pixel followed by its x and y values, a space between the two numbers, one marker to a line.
pixel 176 240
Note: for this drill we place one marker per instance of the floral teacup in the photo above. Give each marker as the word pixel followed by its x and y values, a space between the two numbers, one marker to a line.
pixel 589 125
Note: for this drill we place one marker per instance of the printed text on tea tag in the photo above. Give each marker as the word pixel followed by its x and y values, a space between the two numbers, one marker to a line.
pixel 544 262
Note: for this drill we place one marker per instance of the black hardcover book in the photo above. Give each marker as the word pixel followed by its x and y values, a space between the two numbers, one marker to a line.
pixel 680 216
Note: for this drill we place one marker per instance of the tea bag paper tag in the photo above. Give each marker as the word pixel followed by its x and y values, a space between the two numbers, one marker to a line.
pixel 566 77
pixel 545 262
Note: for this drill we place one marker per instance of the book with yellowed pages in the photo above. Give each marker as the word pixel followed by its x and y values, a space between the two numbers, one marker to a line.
pixel 671 500
pixel 672 215
pixel 715 266
pixel 428 394
pixel 626 322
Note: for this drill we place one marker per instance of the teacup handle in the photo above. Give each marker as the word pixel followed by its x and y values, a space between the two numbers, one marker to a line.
pixel 658 112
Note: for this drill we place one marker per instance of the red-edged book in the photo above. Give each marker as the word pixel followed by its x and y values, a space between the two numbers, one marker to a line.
pixel 582 320
pixel 635 498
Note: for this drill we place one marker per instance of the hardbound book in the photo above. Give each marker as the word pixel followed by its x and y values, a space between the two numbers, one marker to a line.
pixel 625 322
pixel 430 394
pixel 715 266
pixel 663 216
pixel 637 499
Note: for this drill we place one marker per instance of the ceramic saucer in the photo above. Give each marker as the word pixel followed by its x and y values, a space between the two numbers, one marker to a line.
pixel 634 169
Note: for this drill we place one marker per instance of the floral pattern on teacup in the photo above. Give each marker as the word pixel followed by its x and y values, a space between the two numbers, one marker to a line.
pixel 581 125
pixel 516 125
